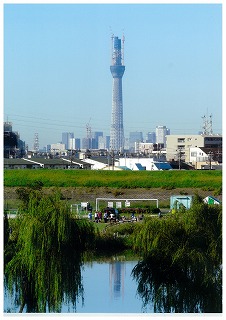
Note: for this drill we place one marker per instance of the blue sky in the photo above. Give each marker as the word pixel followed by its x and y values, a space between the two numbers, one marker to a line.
pixel 57 67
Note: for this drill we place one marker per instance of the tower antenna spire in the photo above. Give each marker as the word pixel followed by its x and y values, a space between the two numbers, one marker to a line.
pixel 117 69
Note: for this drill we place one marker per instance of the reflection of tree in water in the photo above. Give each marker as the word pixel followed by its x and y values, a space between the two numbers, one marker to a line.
pixel 171 290
pixel 46 267
pixel 181 269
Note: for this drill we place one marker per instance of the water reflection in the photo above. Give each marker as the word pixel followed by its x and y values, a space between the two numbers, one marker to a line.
pixel 109 288
pixel 120 286
pixel 170 289
pixel 117 271
pixel 64 287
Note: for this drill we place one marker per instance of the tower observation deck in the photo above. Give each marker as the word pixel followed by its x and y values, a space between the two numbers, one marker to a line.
pixel 117 70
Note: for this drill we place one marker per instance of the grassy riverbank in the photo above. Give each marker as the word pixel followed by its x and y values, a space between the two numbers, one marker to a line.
pixel 115 179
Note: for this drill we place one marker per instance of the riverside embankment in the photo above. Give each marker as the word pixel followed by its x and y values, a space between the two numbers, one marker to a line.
pixel 84 185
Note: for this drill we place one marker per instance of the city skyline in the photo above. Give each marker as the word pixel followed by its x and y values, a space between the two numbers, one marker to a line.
pixel 56 67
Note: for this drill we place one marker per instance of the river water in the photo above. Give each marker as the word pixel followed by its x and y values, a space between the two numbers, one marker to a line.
pixel 108 288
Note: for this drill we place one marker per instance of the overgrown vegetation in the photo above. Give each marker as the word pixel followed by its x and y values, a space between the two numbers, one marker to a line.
pixel 114 179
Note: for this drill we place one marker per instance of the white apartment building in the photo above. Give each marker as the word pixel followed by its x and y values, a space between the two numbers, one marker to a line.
pixel 178 146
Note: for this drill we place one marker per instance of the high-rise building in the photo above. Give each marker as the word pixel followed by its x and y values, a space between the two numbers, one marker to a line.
pixel 77 143
pixel 151 137
pixel 66 136
pixel 108 142
pixel 8 126
pixel 97 134
pixel 13 146
pixel 135 137
pixel 71 144
pixel 161 132
pixel 117 70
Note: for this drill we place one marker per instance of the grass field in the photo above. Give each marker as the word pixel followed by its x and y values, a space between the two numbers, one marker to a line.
pixel 115 179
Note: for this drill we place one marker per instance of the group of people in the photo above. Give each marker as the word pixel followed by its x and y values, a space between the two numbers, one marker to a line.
pixel 110 215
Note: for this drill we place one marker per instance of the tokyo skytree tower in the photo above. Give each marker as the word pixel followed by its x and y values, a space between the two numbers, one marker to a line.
pixel 117 70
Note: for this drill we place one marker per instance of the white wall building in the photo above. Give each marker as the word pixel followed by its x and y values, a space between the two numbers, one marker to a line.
pixel 205 158
pixel 57 148
pixel 143 164
pixel 95 165
pixel 179 145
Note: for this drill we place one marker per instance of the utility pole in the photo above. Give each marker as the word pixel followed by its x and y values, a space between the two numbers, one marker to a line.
pixel 179 158
pixel 210 159
pixel 113 160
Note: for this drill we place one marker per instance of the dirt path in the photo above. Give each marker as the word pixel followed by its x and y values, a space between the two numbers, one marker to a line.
pixel 77 195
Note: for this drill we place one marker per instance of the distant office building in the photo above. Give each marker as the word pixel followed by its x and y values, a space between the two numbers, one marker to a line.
pixel 107 142
pixel 71 144
pixel 66 136
pixel 88 143
pixel 96 136
pixel 101 143
pixel 57 148
pixel 151 137
pixel 8 126
pixel 135 137
pixel 13 146
pixel 126 146
pixel 161 132
pixel 77 143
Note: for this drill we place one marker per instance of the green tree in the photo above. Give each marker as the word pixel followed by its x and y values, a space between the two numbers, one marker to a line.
pixel 24 193
pixel 181 252
pixel 46 267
